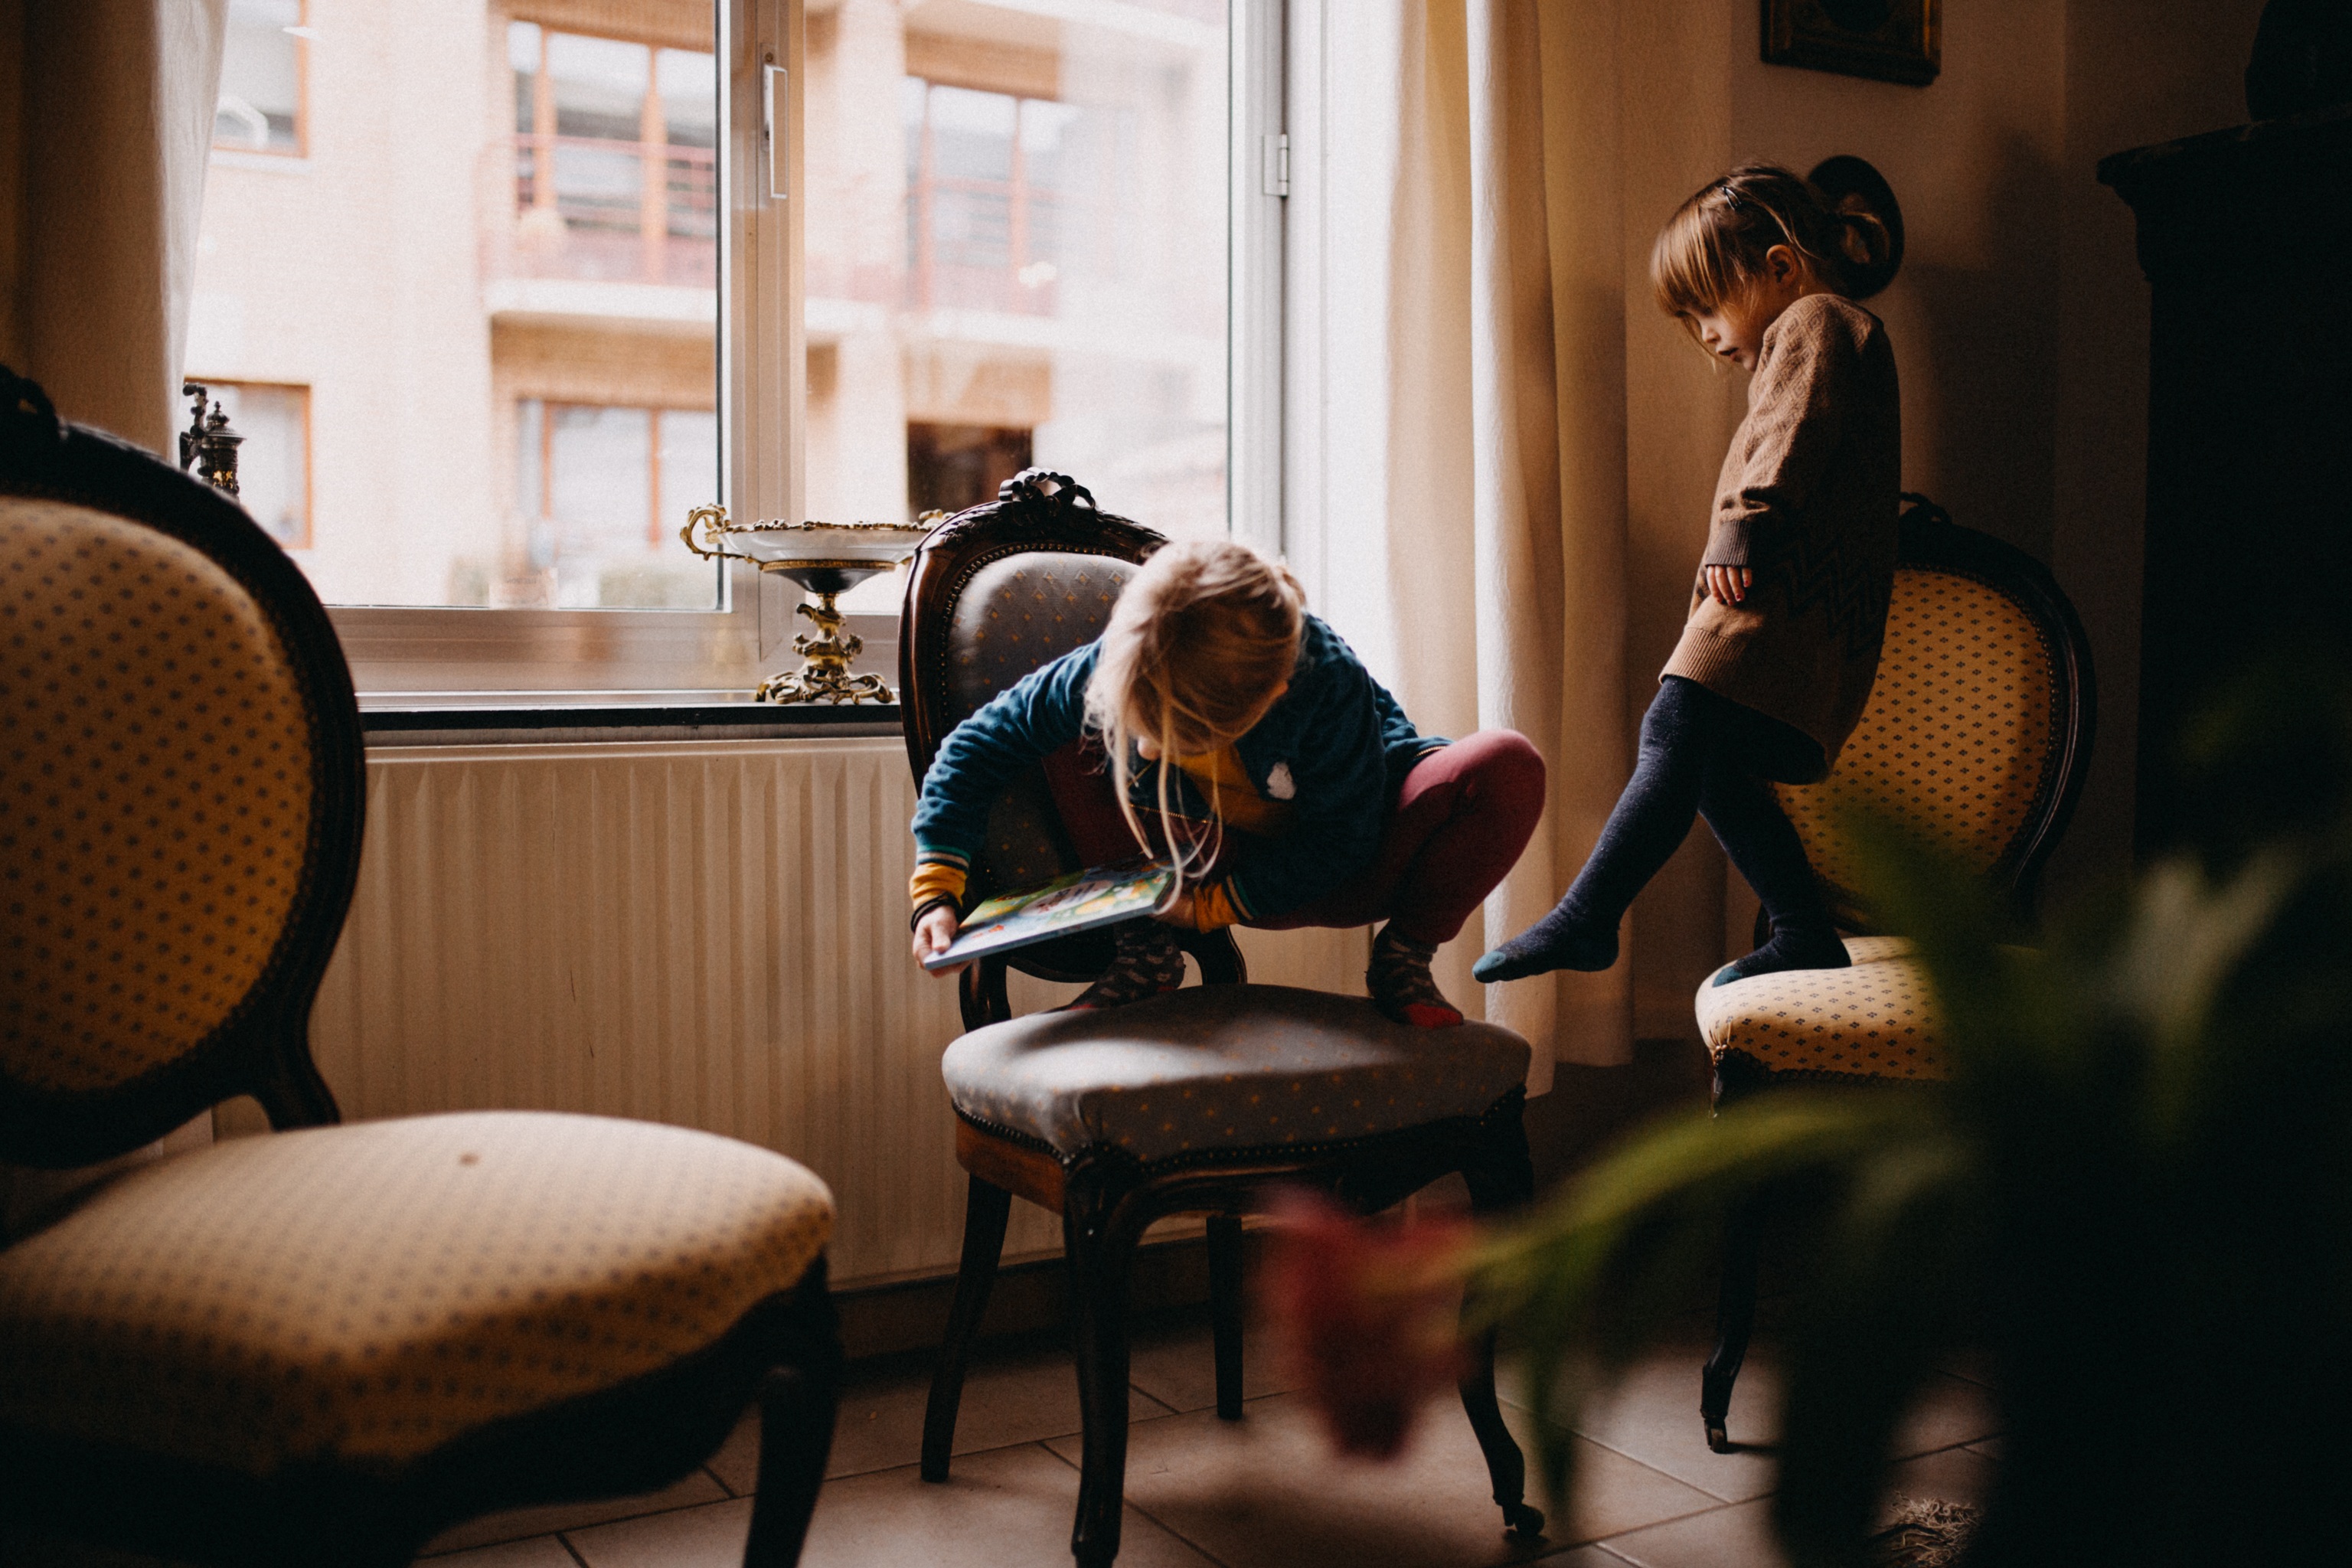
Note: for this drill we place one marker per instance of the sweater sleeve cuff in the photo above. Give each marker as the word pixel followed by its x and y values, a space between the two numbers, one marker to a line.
pixel 935 881
pixel 1728 543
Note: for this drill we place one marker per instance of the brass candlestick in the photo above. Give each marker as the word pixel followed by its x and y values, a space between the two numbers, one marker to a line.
pixel 827 560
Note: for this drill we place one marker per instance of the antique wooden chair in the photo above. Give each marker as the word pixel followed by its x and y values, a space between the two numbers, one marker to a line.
pixel 1978 730
pixel 323 1345
pixel 1193 1103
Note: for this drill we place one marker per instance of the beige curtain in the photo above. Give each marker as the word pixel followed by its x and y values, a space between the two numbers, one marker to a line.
pixel 1475 465
pixel 104 136
pixel 106 177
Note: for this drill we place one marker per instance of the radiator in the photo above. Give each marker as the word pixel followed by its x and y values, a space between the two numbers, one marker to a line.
pixel 709 934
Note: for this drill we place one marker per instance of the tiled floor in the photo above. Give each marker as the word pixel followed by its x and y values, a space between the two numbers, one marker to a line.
pixel 1264 1492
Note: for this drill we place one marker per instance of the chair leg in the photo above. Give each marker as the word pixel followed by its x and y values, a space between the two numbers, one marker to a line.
pixel 1500 1176
pixel 985 1209
pixel 797 1405
pixel 291 1091
pixel 1100 1256
pixel 1225 1310
pixel 1735 1320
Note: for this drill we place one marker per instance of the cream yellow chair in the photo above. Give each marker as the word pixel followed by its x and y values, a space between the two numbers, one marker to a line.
pixel 324 1345
pixel 1978 730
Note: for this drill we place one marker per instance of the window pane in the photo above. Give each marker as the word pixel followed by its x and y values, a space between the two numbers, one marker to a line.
pixel 273 466
pixel 261 77
pixel 498 276
pixel 1016 252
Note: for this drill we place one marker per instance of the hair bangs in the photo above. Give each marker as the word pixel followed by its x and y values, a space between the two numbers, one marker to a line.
pixel 1693 269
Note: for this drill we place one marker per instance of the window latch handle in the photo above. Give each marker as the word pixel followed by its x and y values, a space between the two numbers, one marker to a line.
pixel 774 101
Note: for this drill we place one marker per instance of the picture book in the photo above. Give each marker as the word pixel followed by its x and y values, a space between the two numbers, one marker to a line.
pixel 1082 900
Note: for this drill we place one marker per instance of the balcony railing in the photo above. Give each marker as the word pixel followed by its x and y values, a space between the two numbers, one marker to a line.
pixel 982 245
pixel 615 212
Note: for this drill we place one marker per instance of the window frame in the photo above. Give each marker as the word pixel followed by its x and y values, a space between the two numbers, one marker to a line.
pixel 300 151
pixel 213 383
pixel 458 654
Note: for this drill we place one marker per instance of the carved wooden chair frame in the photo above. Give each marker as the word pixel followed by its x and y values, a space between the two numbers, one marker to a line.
pixel 1107 1200
pixel 636 1436
pixel 1932 541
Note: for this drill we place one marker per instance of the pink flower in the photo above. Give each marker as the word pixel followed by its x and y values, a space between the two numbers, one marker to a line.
pixel 1367 1316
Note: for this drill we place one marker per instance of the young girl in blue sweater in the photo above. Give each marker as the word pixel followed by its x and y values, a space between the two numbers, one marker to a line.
pixel 1216 721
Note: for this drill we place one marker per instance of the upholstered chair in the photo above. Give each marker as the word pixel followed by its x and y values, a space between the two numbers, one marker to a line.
pixel 1196 1102
pixel 325 1344
pixel 1978 731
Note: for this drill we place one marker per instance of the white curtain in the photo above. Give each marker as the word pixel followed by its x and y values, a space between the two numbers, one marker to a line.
pixel 117 99
pixel 1473 437
pixel 105 163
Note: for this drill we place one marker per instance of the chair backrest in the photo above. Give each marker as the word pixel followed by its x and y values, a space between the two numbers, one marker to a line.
pixel 181 789
pixel 1978 729
pixel 995 592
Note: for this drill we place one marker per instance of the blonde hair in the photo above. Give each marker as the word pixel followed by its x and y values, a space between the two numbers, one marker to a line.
pixel 1199 644
pixel 1714 247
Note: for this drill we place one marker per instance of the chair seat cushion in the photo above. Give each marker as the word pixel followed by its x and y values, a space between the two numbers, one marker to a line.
pixel 1221 1068
pixel 364 1294
pixel 1874 1020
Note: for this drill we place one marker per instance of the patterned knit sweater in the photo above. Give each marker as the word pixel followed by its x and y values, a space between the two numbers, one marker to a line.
pixel 1807 501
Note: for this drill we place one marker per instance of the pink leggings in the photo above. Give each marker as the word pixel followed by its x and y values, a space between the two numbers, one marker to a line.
pixel 1461 818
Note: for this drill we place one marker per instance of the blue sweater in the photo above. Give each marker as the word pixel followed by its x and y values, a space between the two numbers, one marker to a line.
pixel 1344 745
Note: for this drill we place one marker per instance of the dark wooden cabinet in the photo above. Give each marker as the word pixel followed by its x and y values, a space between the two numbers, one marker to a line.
pixel 2246 237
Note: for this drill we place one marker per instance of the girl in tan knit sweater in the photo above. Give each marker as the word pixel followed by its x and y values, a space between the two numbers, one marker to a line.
pixel 1790 608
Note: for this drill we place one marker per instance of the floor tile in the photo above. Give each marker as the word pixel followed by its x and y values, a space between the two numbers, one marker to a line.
pixel 1267 1490
pixel 1739 1536
pixel 1178 1367
pixel 1989 1447
pixel 539 1551
pixel 1006 1401
pixel 1008 1509
pixel 1955 1475
pixel 697 1488
pixel 1583 1557
pixel 1652 1414
pixel 1951 1411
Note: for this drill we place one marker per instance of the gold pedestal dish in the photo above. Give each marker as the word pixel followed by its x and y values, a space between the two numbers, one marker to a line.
pixel 827 560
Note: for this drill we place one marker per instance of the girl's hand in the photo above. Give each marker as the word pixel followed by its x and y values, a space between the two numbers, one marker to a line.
pixel 936 933
pixel 1179 913
pixel 1728 585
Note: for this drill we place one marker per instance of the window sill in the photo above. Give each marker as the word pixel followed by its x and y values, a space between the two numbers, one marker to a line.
pixel 494 719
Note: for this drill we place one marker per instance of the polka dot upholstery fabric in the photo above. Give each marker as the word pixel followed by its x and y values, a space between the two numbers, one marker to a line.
pixel 154 796
pixel 364 1294
pixel 1874 1020
pixel 1959 735
pixel 1022 611
pixel 1224 1067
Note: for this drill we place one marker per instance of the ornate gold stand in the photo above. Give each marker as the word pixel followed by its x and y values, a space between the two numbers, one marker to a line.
pixel 824 675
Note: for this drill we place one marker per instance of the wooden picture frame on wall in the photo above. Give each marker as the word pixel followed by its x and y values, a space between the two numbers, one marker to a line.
pixel 1886 40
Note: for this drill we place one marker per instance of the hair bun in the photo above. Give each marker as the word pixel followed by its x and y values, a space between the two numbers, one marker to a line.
pixel 1869 221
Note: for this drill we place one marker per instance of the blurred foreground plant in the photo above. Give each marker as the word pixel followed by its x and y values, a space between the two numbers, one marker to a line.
pixel 2134 1191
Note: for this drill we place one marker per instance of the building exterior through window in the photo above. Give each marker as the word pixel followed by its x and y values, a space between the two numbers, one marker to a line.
pixel 488 260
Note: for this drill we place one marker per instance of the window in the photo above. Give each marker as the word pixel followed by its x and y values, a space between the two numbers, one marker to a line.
pixel 1057 291
pixel 475 283
pixel 602 489
pixel 952 466
pixel 262 78
pixel 273 466
pixel 548 291
pixel 616 172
